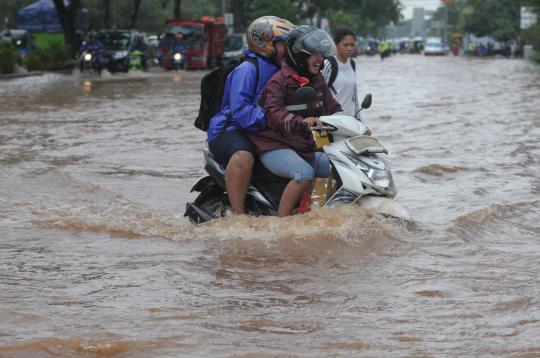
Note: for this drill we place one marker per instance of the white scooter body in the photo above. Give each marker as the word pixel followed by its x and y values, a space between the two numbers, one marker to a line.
pixel 365 175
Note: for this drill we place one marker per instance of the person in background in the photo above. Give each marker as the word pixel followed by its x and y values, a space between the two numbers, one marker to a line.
pixel 239 112
pixel 339 71
pixel 140 46
pixel 177 44
pixel 287 147
pixel 384 49
pixel 94 46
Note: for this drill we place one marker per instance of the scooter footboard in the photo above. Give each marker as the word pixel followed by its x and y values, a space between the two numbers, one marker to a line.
pixel 385 206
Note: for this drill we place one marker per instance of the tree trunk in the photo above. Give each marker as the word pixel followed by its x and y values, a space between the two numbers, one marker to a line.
pixel 177 7
pixel 67 17
pixel 106 14
pixel 238 8
pixel 135 14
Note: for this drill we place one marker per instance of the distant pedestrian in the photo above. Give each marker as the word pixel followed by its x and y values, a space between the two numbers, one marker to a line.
pixel 384 49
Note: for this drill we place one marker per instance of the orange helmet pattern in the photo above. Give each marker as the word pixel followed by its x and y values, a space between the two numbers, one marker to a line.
pixel 263 32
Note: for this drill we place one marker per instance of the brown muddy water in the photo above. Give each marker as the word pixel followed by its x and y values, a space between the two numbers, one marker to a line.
pixel 97 260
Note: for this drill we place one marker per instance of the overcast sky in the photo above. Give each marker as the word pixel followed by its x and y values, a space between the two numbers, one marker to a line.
pixel 426 4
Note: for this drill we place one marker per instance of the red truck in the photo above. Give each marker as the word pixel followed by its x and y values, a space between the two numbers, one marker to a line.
pixel 202 41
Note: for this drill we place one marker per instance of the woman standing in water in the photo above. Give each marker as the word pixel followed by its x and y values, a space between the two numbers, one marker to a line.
pixel 339 71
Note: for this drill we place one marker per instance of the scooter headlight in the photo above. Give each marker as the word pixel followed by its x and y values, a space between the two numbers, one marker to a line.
pixel 380 176
pixel 88 57
pixel 177 57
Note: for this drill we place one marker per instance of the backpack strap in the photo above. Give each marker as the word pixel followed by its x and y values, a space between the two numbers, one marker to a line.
pixel 255 63
pixel 333 73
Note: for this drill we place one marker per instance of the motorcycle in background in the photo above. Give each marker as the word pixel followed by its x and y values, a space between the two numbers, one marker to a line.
pixel 89 62
pixel 178 61
pixel 137 60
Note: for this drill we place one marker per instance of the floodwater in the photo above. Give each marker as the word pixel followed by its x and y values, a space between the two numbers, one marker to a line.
pixel 97 260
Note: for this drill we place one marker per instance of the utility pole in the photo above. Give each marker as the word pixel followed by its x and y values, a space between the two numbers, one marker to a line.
pixel 114 15
pixel 446 4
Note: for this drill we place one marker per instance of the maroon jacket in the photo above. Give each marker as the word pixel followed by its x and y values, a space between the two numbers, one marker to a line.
pixel 284 114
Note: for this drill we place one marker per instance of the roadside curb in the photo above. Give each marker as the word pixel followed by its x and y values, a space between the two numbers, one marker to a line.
pixel 21 75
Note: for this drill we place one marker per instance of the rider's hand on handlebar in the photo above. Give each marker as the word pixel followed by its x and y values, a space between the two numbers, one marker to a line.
pixel 368 131
pixel 312 122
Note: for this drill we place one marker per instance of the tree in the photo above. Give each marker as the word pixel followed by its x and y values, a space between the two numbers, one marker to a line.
pixel 8 10
pixel 67 15
pixel 135 13
pixel 498 18
pixel 177 8
pixel 106 14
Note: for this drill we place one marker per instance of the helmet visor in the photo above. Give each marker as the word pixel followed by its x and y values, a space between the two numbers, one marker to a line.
pixel 317 41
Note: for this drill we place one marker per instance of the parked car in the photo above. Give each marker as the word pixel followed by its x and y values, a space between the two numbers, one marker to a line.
pixel 116 44
pixel 235 46
pixel 22 40
pixel 434 47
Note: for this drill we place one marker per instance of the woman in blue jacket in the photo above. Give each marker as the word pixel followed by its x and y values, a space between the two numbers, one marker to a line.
pixel 239 110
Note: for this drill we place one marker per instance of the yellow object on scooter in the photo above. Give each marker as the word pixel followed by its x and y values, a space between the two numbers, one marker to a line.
pixel 321 138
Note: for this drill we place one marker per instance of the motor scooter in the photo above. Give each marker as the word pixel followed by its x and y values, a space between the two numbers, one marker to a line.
pixel 359 173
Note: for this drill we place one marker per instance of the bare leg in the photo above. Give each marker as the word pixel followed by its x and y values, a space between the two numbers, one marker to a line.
pixel 237 177
pixel 292 193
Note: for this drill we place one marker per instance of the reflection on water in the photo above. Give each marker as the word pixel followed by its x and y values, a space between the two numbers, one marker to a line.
pixel 96 258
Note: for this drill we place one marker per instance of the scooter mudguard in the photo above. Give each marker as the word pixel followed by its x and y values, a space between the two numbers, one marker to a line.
pixel 201 184
pixel 385 206
pixel 196 214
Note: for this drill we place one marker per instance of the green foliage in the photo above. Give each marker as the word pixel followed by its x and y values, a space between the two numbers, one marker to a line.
pixel 536 57
pixel 533 4
pixel 343 18
pixel 53 57
pixel 365 17
pixel 9 8
pixel 498 18
pixel 8 58
pixel 532 36
pixel 152 15
pixel 281 8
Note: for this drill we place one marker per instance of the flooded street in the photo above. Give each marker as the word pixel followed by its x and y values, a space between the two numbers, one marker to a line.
pixel 97 260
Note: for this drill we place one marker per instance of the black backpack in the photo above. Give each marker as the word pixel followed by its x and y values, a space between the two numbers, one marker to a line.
pixel 334 70
pixel 212 88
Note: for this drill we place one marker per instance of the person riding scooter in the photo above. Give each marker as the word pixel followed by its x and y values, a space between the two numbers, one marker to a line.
pixel 287 147
pixel 140 50
pixel 93 47
pixel 239 112
pixel 178 52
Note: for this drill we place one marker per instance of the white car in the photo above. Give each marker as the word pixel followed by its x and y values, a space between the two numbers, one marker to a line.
pixel 434 47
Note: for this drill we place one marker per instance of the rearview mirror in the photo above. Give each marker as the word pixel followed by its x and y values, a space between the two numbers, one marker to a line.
pixel 366 103
pixel 306 94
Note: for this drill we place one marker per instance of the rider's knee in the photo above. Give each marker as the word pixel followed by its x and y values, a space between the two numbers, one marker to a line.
pixel 243 160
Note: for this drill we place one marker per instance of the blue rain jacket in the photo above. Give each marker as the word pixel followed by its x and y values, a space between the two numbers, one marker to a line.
pixel 240 98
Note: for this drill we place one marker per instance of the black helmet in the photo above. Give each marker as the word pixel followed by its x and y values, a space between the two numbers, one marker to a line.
pixel 305 40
